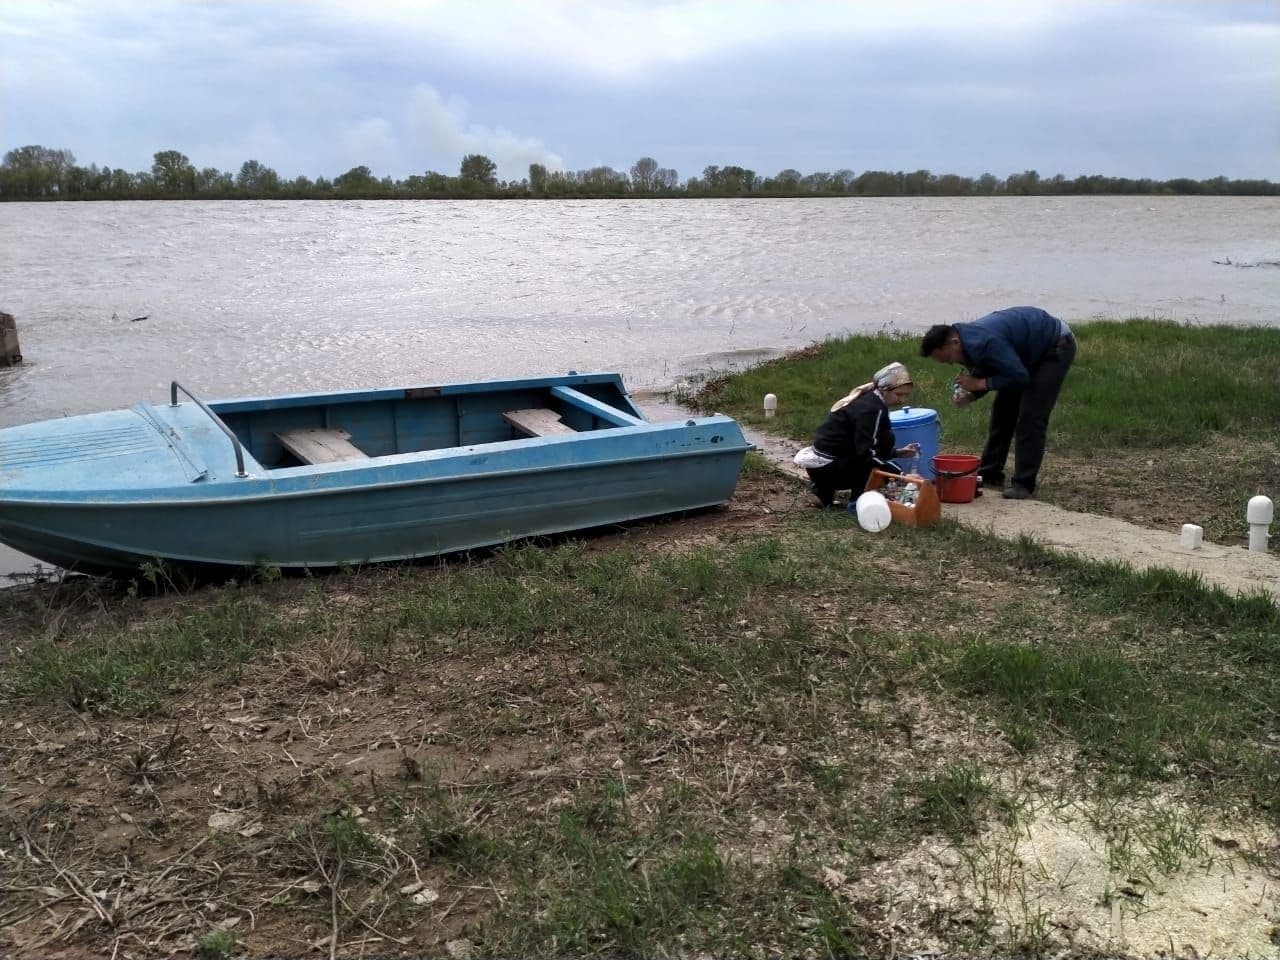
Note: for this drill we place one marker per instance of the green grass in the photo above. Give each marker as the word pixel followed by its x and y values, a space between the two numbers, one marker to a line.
pixel 1178 666
pixel 580 891
pixel 133 670
pixel 954 801
pixel 1177 673
pixel 216 945
pixel 1144 383
pixel 595 742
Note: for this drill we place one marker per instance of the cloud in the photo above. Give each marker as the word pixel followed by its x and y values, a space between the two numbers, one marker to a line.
pixel 437 128
pixel 315 87
pixel 261 142
pixel 627 41
pixel 369 138
pixel 970 92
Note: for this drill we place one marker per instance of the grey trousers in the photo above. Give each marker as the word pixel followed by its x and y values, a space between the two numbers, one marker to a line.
pixel 1021 416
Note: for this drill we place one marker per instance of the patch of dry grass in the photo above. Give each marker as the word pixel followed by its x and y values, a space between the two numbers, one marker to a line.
pixel 745 732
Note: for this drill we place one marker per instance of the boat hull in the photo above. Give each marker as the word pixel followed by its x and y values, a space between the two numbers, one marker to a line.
pixel 381 509
pixel 345 527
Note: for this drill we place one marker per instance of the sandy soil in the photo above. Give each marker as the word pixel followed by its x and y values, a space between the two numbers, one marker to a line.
pixel 1055 877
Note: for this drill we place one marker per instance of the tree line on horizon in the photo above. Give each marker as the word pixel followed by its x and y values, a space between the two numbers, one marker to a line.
pixel 42 173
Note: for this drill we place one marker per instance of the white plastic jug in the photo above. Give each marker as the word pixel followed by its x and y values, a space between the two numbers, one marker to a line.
pixel 873 511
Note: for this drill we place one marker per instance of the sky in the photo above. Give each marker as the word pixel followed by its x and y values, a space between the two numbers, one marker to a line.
pixel 1123 88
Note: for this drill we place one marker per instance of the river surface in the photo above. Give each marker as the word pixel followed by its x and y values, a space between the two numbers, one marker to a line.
pixel 116 299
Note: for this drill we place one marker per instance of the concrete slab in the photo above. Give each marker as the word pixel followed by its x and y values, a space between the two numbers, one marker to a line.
pixel 1236 569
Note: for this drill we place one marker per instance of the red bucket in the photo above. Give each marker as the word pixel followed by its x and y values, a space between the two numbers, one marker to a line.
pixel 956 475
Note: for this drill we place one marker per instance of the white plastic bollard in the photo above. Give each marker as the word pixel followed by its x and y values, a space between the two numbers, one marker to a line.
pixel 1260 512
pixel 770 404
pixel 1192 536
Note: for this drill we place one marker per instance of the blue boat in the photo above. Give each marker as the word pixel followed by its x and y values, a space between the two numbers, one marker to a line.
pixel 354 477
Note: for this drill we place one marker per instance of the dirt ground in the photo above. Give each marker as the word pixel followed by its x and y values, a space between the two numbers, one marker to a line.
pixel 133 838
pixel 112 826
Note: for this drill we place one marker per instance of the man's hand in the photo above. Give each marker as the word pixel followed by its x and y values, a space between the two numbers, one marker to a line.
pixel 962 401
pixel 910 450
pixel 972 384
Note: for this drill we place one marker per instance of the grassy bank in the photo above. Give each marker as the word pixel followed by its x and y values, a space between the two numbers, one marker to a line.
pixel 1159 423
pixel 747 732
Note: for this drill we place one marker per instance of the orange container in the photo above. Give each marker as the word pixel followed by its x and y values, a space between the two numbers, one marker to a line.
pixel 957 476
pixel 927 509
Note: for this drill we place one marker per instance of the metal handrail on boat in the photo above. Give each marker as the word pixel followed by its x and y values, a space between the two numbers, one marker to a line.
pixel 175 386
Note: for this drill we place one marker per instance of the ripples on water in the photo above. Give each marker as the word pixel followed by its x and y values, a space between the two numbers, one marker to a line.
pixel 249 298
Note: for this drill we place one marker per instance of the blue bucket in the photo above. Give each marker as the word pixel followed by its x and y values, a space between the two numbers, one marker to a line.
pixel 916 425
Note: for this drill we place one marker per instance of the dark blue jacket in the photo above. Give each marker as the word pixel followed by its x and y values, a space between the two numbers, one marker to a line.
pixel 1006 345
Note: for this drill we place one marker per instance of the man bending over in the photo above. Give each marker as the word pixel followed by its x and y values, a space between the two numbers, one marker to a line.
pixel 1023 354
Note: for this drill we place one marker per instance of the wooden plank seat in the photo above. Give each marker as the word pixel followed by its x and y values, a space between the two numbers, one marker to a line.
pixel 320 445
pixel 537 422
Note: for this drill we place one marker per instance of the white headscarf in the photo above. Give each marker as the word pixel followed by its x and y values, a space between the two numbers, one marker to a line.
pixel 886 378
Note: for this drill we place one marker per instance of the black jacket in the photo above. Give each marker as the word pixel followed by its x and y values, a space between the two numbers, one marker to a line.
pixel 859 431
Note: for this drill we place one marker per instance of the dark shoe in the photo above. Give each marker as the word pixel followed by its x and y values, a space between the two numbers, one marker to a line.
pixel 993 480
pixel 1016 492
